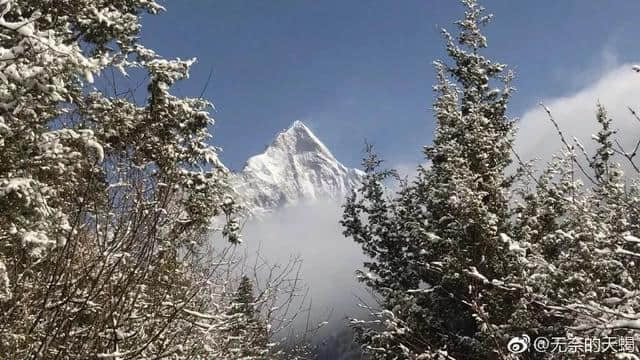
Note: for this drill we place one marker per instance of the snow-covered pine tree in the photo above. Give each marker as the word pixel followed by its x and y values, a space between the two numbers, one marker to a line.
pixel 442 260
pixel 103 200
pixel 244 301
pixel 584 238
pixel 247 335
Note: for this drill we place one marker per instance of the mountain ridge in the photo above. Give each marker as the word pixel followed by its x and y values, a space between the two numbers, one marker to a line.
pixel 296 167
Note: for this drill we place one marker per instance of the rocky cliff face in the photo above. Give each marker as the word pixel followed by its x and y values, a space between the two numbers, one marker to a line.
pixel 296 167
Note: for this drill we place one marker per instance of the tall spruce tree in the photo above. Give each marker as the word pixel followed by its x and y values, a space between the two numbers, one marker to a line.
pixel 247 335
pixel 442 259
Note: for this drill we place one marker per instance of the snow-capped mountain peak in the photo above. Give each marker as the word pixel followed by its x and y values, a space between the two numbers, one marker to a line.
pixel 296 167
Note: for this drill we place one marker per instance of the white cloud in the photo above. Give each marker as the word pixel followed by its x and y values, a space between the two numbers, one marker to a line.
pixel 329 260
pixel 617 89
pixel 604 61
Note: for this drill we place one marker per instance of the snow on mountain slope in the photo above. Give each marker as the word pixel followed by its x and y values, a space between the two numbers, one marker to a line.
pixel 297 167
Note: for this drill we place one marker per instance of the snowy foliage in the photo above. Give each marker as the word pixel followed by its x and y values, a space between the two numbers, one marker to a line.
pixel 104 201
pixel 582 239
pixel 439 258
pixel 466 257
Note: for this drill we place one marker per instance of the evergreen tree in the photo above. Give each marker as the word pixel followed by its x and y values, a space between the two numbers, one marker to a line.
pixel 103 200
pixel 244 301
pixel 247 334
pixel 442 258
pixel 585 240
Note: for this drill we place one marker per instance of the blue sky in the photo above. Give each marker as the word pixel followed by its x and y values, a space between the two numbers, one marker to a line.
pixel 356 69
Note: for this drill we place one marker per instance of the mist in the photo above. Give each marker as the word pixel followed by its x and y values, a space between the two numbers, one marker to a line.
pixel 329 260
